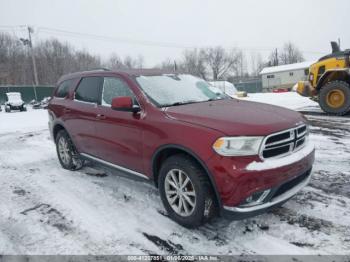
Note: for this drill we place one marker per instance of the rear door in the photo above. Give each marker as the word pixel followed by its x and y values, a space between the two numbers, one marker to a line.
pixel 82 112
pixel 119 133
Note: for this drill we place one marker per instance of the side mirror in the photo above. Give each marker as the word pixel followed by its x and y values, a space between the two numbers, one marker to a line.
pixel 124 103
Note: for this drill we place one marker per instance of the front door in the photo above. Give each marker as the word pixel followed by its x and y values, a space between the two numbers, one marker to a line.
pixel 119 133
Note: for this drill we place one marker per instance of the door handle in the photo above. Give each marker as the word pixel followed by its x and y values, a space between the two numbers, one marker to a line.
pixel 66 110
pixel 100 117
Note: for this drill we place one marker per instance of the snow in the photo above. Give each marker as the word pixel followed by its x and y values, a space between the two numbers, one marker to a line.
pixel 225 86
pixel 283 161
pixel 290 67
pixel 291 100
pixel 23 121
pixel 14 98
pixel 46 210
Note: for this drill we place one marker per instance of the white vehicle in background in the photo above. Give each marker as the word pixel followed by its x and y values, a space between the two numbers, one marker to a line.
pixel 14 102
pixel 225 86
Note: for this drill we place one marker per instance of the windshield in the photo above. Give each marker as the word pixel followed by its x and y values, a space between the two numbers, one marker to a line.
pixel 176 89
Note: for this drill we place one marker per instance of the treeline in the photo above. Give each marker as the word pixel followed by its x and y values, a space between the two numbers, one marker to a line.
pixel 55 58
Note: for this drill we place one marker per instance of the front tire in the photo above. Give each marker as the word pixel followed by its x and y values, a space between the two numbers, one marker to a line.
pixel 66 152
pixel 7 109
pixel 334 98
pixel 186 192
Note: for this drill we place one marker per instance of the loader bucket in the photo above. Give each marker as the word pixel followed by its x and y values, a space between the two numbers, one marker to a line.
pixel 304 89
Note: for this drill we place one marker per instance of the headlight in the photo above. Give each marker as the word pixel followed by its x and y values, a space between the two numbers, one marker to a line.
pixel 238 146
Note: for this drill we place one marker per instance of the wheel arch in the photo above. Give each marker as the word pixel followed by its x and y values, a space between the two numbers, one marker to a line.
pixel 166 151
pixel 56 128
pixel 332 75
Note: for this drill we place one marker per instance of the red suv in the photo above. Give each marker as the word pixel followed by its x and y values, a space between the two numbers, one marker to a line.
pixel 207 153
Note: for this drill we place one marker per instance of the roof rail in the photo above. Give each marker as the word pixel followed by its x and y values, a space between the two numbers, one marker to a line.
pixel 99 68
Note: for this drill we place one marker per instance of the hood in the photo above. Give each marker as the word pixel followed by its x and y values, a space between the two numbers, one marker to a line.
pixel 236 117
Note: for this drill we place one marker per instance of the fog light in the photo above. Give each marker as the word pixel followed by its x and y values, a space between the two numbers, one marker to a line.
pixel 256 198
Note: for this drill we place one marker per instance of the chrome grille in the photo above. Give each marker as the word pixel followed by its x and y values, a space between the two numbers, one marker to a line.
pixel 284 142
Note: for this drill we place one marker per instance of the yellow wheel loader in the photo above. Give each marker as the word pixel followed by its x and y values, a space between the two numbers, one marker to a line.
pixel 329 82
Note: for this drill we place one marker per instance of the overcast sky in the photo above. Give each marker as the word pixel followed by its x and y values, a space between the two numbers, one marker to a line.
pixel 160 29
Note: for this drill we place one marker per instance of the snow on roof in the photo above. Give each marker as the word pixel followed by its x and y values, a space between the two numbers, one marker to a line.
pixel 290 67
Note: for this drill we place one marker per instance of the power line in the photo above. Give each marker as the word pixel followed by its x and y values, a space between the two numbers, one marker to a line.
pixel 48 30
pixel 114 39
pixel 51 31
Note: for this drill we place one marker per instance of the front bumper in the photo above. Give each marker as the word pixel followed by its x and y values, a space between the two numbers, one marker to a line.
pixel 278 196
pixel 239 178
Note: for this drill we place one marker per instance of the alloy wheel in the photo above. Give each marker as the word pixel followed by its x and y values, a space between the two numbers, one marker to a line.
pixel 63 150
pixel 180 192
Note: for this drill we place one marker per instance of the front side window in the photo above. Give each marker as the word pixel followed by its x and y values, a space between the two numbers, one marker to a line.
pixel 114 87
pixel 89 89
pixel 177 89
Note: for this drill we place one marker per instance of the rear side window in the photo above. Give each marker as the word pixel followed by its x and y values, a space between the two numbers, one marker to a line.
pixel 114 87
pixel 63 88
pixel 89 89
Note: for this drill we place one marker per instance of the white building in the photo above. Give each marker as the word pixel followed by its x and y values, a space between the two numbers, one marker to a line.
pixel 284 76
pixel 225 86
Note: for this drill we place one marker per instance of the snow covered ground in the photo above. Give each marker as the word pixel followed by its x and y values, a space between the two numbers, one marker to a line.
pixel 47 210
pixel 290 100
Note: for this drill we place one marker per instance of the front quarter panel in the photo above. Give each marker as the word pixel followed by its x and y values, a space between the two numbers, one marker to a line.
pixel 162 131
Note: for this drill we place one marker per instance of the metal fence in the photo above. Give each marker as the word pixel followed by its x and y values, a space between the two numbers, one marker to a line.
pixel 250 86
pixel 28 92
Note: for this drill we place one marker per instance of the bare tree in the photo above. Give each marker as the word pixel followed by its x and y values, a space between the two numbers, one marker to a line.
pixel 241 65
pixel 274 58
pixel 115 62
pixel 167 64
pixel 131 63
pixel 193 62
pixel 220 61
pixel 256 63
pixel 53 58
pixel 13 60
pixel 290 54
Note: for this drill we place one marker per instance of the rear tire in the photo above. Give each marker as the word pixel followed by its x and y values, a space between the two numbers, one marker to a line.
pixel 7 109
pixel 334 98
pixel 198 203
pixel 66 152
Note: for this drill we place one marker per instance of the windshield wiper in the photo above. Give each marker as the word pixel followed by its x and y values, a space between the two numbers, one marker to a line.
pixel 181 103
pixel 218 98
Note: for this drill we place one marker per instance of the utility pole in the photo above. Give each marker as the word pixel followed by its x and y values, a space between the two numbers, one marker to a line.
pixel 339 43
pixel 30 44
pixel 276 62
